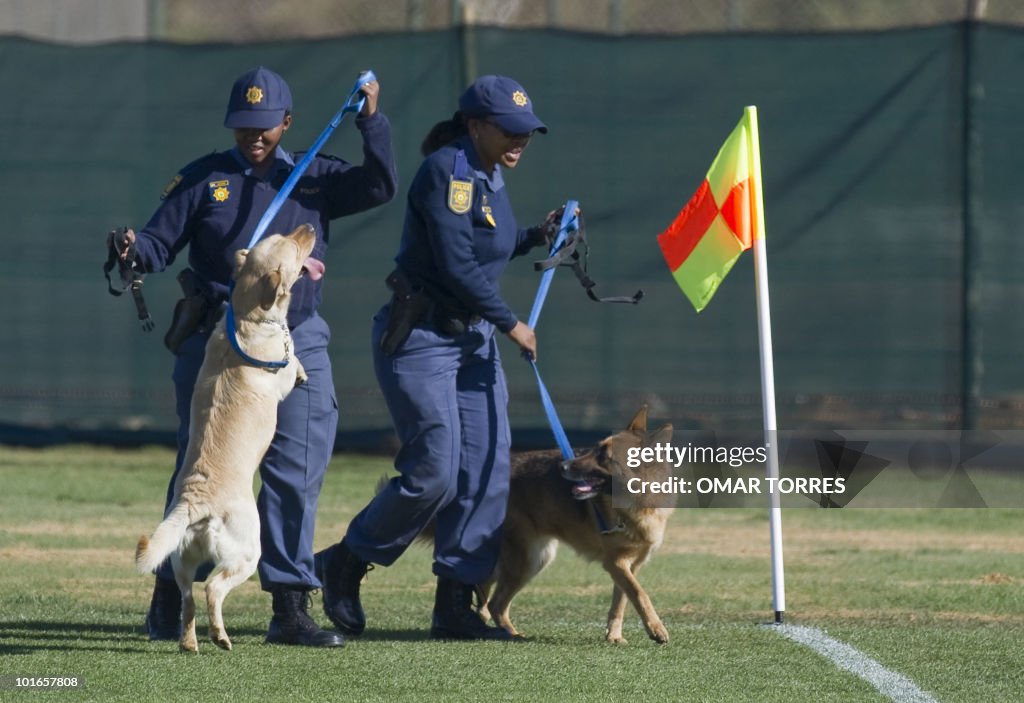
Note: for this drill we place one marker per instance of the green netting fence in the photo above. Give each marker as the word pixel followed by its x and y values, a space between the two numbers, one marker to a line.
pixel 890 164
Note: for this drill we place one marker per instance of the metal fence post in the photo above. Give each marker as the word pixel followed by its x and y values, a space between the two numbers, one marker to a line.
pixel 465 22
pixel 414 15
pixel 156 22
pixel 973 91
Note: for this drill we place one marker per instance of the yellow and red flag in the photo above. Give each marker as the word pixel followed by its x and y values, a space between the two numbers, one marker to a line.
pixel 722 219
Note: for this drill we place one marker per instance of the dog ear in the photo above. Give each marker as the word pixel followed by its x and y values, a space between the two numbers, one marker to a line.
pixel 639 421
pixel 240 257
pixel 269 285
pixel 662 435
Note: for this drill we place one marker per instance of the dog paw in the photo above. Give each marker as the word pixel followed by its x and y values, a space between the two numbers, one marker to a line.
pixel 507 626
pixel 223 642
pixel 189 646
pixel 615 639
pixel 659 634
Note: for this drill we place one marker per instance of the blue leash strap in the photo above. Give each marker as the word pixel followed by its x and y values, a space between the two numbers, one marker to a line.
pixel 563 442
pixel 549 409
pixel 569 223
pixel 354 103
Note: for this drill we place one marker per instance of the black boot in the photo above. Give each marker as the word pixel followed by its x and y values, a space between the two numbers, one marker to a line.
pixel 291 623
pixel 454 617
pixel 163 621
pixel 340 573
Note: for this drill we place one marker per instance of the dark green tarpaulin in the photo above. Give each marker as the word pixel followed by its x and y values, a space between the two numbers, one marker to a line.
pixel 866 177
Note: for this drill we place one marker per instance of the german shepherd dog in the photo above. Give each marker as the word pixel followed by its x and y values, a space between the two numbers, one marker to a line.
pixel 550 501
pixel 234 414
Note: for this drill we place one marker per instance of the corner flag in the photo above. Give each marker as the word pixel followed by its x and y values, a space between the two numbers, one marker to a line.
pixel 720 221
pixel 723 219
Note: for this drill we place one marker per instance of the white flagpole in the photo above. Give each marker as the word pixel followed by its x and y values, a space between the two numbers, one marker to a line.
pixel 764 329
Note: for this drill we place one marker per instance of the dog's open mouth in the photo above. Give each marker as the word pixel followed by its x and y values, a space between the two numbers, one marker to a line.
pixel 586 488
pixel 314 268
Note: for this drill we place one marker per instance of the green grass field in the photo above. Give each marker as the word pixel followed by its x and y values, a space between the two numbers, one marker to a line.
pixel 934 595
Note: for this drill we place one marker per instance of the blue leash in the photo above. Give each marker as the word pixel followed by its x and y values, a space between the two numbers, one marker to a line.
pixel 570 223
pixel 354 103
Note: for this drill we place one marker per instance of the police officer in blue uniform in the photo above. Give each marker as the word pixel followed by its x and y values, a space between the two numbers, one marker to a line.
pixel 212 206
pixel 437 362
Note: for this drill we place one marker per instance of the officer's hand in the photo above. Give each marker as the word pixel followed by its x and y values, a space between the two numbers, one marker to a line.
pixel 121 240
pixel 371 90
pixel 551 224
pixel 522 335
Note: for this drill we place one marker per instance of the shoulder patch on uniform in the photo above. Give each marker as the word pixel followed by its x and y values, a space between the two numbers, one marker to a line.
pixel 186 172
pixel 171 186
pixel 460 195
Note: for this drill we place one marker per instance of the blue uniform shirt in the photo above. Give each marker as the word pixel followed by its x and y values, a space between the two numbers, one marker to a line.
pixel 461 256
pixel 214 204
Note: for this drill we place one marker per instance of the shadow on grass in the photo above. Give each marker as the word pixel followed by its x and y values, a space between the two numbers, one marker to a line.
pixel 385 635
pixel 31 636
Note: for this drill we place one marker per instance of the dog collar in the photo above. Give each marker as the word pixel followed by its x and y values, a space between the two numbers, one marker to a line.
pixel 271 366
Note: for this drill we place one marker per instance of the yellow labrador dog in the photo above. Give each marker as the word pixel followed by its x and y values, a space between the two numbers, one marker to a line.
pixel 234 414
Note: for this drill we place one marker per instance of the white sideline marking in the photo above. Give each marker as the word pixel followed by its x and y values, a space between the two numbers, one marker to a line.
pixel 889 683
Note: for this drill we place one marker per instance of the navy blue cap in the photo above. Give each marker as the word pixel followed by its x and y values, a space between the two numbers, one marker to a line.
pixel 504 101
pixel 259 99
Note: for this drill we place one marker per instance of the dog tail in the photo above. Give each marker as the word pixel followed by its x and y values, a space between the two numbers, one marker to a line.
pixel 153 550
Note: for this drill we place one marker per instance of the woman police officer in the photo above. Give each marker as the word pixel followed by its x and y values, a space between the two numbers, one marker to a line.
pixel 437 363
pixel 213 207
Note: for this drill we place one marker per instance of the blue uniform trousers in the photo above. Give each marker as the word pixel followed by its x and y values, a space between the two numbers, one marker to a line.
pixel 449 402
pixel 293 468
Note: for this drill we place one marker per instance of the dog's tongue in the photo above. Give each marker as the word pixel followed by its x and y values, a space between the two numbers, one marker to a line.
pixel 315 268
pixel 582 489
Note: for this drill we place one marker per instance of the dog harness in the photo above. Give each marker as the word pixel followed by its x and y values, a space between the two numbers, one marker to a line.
pixel 568 255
